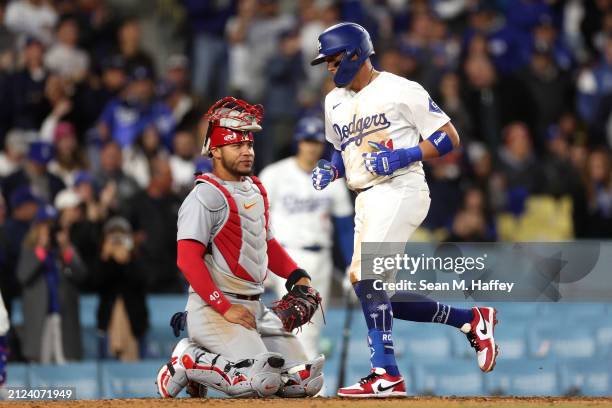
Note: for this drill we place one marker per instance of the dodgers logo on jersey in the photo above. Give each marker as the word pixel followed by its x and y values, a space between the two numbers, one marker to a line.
pixel 357 129
pixel 433 107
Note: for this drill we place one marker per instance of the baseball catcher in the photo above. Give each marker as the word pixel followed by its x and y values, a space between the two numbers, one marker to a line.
pixel 225 246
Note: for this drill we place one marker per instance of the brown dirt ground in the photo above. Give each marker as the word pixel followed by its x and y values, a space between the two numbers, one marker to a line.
pixel 412 402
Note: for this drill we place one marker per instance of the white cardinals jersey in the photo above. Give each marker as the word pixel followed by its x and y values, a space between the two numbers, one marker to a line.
pixel 301 214
pixel 390 110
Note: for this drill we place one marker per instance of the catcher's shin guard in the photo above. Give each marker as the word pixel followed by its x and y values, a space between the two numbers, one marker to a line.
pixel 172 377
pixel 260 376
pixel 303 380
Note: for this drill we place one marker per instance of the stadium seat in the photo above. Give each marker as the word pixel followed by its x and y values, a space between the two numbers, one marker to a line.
pixel 162 307
pixel 523 378
pixel 82 376
pixel 129 380
pixel 425 341
pixel 161 342
pixel 452 377
pixel 562 343
pixel 88 305
pixel 89 338
pixel 591 377
pixel 17 375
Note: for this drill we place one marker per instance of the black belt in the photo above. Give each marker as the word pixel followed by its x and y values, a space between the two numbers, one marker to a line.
pixel 312 248
pixel 243 297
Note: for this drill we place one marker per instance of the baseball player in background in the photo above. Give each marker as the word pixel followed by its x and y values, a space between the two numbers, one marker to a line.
pixel 304 219
pixel 225 246
pixel 382 127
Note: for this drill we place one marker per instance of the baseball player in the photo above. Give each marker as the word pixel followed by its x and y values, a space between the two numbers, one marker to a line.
pixel 225 248
pixel 382 127
pixel 303 218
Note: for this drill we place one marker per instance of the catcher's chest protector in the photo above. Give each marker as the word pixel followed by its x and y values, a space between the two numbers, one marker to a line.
pixel 242 240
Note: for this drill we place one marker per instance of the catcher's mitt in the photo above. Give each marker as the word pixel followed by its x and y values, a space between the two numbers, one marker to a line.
pixel 297 307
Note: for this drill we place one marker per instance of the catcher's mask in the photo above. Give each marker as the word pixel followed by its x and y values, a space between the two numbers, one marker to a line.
pixel 230 121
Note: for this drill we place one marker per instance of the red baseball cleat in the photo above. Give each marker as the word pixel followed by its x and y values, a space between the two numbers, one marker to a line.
pixel 378 384
pixel 480 335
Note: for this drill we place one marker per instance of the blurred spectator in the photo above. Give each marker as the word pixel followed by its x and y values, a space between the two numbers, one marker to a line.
pixel 93 94
pixel 14 153
pixel 311 25
pixel 182 162
pixel 175 91
pixel 451 103
pixel 111 173
pixel 50 269
pixel 97 203
pixel 445 191
pixel 508 46
pixel 24 105
pixel 284 74
pixel 137 157
pixel 207 21
pixel 35 174
pixel 519 166
pixel 239 53
pixel 64 57
pixel 594 84
pixel 7 43
pixel 545 37
pixel 62 108
pixel 23 205
pixel 123 317
pixel 129 40
pixel 468 226
pixel 35 18
pixel 551 91
pixel 84 234
pixel 493 101
pixel 128 115
pixel 599 194
pixel 68 160
pixel 152 214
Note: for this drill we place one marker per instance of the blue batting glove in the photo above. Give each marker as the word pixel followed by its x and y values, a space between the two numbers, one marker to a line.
pixel 323 174
pixel 385 161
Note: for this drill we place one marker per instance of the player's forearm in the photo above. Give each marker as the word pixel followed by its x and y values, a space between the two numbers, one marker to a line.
pixel 443 141
pixel 279 261
pixel 190 260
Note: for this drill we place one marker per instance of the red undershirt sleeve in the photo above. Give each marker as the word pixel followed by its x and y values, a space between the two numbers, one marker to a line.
pixel 190 260
pixel 279 261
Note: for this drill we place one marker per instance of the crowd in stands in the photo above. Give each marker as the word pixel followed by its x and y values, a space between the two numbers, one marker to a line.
pixel 100 139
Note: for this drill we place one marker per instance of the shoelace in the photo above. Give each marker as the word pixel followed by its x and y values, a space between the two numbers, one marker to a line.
pixel 472 339
pixel 368 378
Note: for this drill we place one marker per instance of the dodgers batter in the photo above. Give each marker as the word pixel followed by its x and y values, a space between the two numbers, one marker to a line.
pixel 304 219
pixel 225 248
pixel 382 127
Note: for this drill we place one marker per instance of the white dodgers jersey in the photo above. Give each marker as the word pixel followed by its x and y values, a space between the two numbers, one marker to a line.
pixel 301 214
pixel 391 110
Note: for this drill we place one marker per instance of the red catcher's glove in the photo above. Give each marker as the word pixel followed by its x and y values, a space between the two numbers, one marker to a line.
pixel 297 307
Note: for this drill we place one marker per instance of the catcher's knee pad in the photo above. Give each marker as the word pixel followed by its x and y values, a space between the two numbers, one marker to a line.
pixel 260 376
pixel 303 380
pixel 172 377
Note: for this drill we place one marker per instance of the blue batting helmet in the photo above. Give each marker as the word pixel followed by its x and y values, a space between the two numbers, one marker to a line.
pixel 350 39
pixel 310 128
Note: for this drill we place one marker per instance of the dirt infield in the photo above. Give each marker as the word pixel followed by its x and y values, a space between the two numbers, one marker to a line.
pixel 412 402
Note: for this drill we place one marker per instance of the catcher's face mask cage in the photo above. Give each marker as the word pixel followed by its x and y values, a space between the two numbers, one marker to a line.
pixel 231 120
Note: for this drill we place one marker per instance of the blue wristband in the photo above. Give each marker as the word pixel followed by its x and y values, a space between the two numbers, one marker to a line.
pixel 410 155
pixel 338 163
pixel 441 142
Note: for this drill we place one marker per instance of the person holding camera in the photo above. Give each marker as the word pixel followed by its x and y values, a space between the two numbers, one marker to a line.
pixel 49 270
pixel 123 317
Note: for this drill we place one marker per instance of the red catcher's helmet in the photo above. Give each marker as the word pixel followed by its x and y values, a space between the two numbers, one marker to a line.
pixel 231 120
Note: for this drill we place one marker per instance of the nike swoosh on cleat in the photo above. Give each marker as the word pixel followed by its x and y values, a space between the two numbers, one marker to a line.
pixel 484 324
pixel 381 388
pixel 336 105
